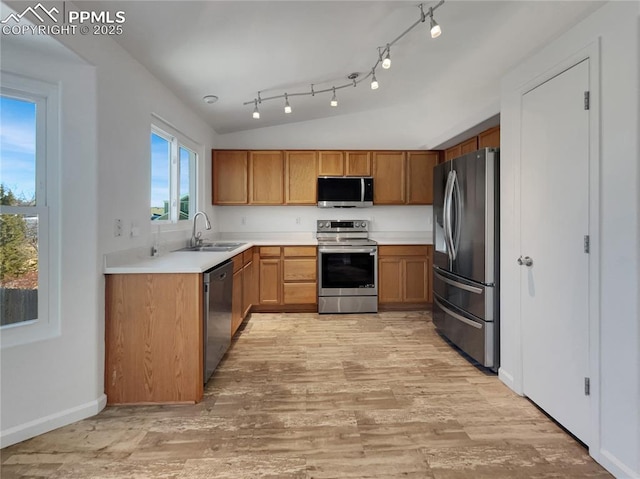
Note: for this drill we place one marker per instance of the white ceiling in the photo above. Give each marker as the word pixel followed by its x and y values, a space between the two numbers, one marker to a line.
pixel 233 49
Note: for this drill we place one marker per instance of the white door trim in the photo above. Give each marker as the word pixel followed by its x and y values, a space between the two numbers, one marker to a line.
pixel 514 377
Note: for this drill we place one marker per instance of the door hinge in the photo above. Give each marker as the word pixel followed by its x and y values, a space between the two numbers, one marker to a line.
pixel 587 244
pixel 587 387
pixel 586 100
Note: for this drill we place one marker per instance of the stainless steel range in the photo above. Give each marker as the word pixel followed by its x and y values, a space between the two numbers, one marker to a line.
pixel 347 267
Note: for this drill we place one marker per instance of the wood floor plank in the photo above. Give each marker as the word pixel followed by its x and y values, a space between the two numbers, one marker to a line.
pixel 322 396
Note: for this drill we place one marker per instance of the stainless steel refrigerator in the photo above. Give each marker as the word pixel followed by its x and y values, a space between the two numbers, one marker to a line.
pixel 466 254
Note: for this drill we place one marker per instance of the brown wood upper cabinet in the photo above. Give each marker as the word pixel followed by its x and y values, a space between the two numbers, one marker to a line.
pixel 266 173
pixel 403 177
pixel 230 186
pixel 389 173
pixel 344 163
pixel 420 176
pixel 487 139
pixel 301 177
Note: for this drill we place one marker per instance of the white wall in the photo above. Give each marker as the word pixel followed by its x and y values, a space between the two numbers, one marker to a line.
pixel 616 442
pixel 54 381
pixel 302 219
pixel 107 112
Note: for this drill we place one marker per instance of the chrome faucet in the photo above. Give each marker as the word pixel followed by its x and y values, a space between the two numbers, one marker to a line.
pixel 196 239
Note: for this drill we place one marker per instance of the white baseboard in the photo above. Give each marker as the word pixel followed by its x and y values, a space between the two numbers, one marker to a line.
pixel 612 464
pixel 49 423
pixel 507 379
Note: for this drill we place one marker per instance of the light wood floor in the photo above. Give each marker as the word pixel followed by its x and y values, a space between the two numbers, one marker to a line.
pixel 309 396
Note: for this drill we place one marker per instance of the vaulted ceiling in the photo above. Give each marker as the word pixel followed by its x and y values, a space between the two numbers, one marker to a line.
pixel 234 49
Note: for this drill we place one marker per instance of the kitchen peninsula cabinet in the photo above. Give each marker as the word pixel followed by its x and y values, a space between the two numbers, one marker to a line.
pixel 230 184
pixel 404 276
pixel 266 173
pixel 301 177
pixel 287 278
pixel 243 288
pixel 153 338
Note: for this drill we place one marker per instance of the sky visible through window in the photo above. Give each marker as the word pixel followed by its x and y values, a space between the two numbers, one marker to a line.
pixel 161 174
pixel 18 147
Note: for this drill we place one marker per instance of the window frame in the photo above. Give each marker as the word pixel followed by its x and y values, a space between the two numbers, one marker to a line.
pixel 46 97
pixel 177 140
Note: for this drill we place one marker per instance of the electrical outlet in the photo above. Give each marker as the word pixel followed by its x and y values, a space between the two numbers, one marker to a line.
pixel 243 220
pixel 117 227
pixel 298 220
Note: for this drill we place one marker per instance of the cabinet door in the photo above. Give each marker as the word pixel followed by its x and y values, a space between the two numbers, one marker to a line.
pixel 389 177
pixel 357 163
pixel 247 288
pixel 430 273
pixel 229 183
pixel 390 280
pixel 415 277
pixel 236 302
pixel 270 281
pixel 468 146
pixel 330 163
pixel 301 177
pixel 266 171
pixel 489 138
pixel 453 152
pixel 420 177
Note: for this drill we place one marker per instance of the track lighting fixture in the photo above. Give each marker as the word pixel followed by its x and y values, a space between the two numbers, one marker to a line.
pixel 384 60
pixel 287 107
pixel 386 63
pixel 374 82
pixel 436 31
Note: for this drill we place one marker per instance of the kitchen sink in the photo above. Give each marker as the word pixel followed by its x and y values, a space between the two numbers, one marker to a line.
pixel 218 246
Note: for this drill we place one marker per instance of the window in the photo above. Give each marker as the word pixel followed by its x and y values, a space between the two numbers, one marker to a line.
pixel 173 177
pixel 28 145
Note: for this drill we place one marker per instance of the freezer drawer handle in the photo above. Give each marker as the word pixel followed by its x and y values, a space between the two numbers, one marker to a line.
pixel 466 287
pixel 457 316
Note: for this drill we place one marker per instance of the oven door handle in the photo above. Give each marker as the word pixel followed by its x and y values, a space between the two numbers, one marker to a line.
pixel 347 250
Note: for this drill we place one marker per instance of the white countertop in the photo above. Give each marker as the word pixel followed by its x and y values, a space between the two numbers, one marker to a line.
pixel 200 261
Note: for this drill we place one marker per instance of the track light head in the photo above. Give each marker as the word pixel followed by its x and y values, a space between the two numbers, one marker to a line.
pixel 256 112
pixel 287 107
pixel 374 82
pixel 436 31
pixel 386 63
pixel 334 99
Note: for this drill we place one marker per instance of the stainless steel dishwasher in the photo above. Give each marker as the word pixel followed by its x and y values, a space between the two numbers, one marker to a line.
pixel 218 293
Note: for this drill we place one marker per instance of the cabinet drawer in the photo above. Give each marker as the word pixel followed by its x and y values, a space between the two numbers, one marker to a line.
pixel 299 270
pixel 237 262
pixel 247 256
pixel 269 251
pixel 300 293
pixel 403 250
pixel 300 251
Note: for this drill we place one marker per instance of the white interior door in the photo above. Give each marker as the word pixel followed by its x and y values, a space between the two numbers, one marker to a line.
pixel 554 221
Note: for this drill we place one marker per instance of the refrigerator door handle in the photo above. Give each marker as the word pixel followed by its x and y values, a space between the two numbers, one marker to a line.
pixel 455 219
pixel 456 315
pixel 446 215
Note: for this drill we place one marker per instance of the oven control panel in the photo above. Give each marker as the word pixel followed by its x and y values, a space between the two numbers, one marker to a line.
pixel 342 226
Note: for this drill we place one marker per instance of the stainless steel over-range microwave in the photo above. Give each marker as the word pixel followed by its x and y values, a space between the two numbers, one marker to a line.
pixel 345 192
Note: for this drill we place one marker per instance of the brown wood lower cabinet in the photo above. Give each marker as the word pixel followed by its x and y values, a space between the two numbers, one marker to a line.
pixel 153 338
pixel 243 288
pixel 287 278
pixel 404 276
